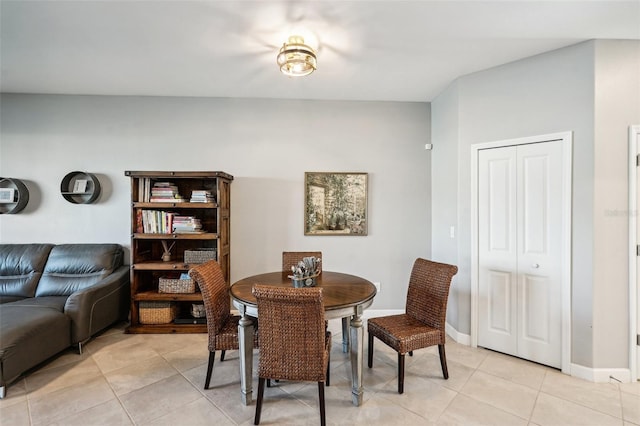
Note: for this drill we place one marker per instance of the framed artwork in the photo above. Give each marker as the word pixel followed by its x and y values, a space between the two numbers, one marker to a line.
pixel 7 195
pixel 80 186
pixel 335 203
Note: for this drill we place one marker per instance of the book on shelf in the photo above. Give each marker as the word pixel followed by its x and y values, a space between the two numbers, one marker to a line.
pixel 187 224
pixel 158 192
pixel 165 192
pixel 201 196
pixel 144 190
pixel 156 222
pixel 167 200
pixel 139 222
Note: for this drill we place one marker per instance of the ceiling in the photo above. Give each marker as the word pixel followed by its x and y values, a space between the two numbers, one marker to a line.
pixel 367 50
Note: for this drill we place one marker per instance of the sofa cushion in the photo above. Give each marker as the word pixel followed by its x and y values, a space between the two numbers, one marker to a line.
pixel 29 335
pixel 73 267
pixel 21 267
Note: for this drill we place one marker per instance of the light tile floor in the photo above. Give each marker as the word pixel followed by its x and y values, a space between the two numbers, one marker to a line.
pixel 124 379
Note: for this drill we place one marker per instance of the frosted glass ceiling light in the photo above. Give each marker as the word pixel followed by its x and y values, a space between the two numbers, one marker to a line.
pixel 296 59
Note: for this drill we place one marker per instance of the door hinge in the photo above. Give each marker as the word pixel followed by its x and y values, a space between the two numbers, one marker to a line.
pixel 638 339
pixel 637 160
pixel 637 250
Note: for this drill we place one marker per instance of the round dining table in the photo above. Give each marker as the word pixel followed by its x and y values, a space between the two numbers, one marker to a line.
pixel 344 296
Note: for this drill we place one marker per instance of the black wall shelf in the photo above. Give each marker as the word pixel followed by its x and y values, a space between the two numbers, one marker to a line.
pixel 80 187
pixel 18 195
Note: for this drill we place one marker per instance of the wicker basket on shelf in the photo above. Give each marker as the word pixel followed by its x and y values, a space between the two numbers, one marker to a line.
pixel 200 255
pixel 176 285
pixel 157 312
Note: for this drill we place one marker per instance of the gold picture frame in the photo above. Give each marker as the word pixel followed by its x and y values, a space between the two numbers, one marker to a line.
pixel 335 203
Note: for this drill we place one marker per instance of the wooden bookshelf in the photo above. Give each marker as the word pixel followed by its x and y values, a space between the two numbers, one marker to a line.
pixel 147 265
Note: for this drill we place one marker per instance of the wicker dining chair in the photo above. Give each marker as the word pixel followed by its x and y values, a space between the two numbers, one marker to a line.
pixel 423 323
pixel 291 258
pixel 222 327
pixel 294 344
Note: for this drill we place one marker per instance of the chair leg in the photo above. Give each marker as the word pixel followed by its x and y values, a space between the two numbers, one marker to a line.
pixel 370 354
pixel 222 356
pixel 212 358
pixel 400 373
pixel 443 361
pixel 256 420
pixel 323 420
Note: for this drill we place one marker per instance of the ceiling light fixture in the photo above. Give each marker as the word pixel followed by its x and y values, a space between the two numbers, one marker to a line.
pixel 296 59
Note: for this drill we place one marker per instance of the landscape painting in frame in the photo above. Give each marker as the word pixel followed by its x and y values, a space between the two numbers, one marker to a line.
pixel 335 203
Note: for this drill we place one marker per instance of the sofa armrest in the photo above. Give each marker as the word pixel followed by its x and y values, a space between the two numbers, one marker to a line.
pixel 97 307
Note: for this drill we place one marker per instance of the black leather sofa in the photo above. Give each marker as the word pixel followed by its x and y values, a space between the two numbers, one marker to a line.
pixel 56 296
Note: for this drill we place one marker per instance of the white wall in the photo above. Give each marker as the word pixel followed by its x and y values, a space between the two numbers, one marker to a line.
pixel 549 93
pixel 617 106
pixel 445 192
pixel 267 145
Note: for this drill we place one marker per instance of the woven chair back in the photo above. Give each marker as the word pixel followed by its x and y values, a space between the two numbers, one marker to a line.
pixel 428 292
pixel 215 294
pixel 292 333
pixel 291 258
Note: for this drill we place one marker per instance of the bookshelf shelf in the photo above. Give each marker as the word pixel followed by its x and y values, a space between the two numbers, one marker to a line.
pixel 184 236
pixel 152 231
pixel 172 205
pixel 161 266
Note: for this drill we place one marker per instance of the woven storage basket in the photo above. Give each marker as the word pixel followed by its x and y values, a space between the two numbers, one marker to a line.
pixel 157 312
pixel 176 285
pixel 201 255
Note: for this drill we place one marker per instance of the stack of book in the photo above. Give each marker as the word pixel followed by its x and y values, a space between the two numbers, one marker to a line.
pixel 165 192
pixel 187 225
pixel 201 196
pixel 154 222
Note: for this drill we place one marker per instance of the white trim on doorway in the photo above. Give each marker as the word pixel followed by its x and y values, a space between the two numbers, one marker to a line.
pixel 567 139
pixel 634 141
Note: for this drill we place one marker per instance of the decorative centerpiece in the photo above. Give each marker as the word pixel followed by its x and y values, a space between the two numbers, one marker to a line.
pixel 305 274
pixel 166 255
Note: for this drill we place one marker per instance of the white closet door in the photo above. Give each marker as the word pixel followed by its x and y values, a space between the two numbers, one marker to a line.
pixel 519 253
pixel 497 251
pixel 539 213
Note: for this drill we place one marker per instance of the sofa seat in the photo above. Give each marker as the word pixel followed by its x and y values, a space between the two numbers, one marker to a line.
pixel 23 329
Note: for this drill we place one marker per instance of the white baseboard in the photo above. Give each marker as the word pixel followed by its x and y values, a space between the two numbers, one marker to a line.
pixel 463 339
pixel 601 375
